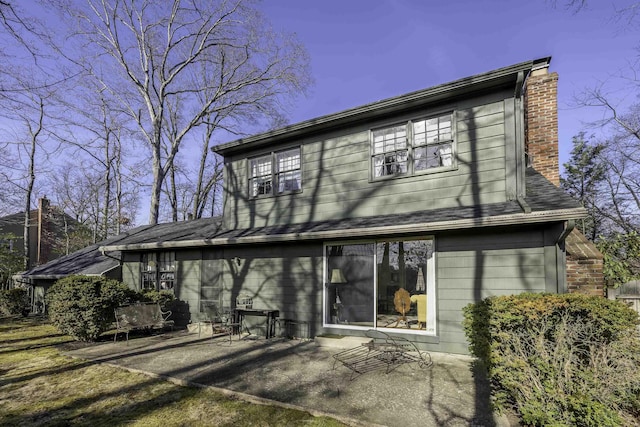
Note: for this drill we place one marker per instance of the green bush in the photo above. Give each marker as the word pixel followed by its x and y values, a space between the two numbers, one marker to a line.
pixel 83 306
pixel 14 302
pixel 566 359
pixel 164 298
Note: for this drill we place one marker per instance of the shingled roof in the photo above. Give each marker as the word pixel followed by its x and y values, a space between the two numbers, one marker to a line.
pixel 88 261
pixel 546 202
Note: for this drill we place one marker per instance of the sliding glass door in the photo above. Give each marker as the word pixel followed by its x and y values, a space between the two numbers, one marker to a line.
pixel 386 284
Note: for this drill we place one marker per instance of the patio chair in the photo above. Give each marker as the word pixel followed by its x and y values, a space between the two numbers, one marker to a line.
pixel 221 323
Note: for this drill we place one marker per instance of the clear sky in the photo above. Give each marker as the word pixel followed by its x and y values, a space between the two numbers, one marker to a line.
pixel 366 50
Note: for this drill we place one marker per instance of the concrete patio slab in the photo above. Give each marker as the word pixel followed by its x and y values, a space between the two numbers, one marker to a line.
pixel 302 374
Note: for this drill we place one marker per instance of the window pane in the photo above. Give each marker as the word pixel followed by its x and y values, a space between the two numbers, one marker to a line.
pixel 288 160
pixel 167 271
pixel 289 181
pixel 432 130
pixel 149 271
pixel 260 176
pixel 378 166
pixel 392 142
pixel 260 186
pixel 433 156
pixel 288 174
pixel 349 292
pixel 402 283
pixel 260 166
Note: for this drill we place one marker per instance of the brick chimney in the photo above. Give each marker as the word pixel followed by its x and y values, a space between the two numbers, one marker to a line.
pixel 584 262
pixel 44 231
pixel 541 122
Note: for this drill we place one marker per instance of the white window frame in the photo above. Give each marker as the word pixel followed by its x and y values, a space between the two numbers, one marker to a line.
pixel 431 289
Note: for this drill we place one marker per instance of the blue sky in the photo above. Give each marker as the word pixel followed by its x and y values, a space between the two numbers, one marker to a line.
pixel 363 51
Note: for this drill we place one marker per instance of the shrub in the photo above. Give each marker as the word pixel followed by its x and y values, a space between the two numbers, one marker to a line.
pixel 559 359
pixel 83 306
pixel 14 302
pixel 164 298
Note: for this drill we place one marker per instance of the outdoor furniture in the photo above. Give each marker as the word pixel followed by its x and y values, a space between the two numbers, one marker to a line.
pixel 140 316
pixel 271 318
pixel 221 323
pixel 381 352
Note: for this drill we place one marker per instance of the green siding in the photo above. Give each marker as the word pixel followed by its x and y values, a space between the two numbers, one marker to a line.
pixel 286 278
pixel 131 269
pixel 474 266
pixel 336 174
pixel 187 287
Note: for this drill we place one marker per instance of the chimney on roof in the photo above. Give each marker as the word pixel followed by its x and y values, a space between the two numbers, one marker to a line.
pixel 541 122
pixel 44 225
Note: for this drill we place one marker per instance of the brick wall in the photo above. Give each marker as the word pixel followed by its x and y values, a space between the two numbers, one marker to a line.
pixel 541 124
pixel 584 265
pixel 584 261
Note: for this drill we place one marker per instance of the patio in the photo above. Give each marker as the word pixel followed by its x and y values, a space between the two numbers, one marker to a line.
pixel 302 374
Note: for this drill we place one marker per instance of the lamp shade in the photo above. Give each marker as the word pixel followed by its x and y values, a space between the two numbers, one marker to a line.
pixel 337 276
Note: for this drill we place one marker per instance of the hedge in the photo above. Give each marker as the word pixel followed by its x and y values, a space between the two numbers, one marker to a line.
pixel 565 359
pixel 13 302
pixel 83 306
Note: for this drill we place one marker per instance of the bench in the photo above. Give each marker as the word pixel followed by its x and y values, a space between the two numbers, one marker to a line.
pixel 140 316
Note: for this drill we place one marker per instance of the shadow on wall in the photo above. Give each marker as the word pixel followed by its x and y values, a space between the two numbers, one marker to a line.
pixel 180 313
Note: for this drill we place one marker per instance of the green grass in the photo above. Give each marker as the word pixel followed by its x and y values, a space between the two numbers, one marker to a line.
pixel 39 386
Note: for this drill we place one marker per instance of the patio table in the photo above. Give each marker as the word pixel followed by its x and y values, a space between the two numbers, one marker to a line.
pixel 271 317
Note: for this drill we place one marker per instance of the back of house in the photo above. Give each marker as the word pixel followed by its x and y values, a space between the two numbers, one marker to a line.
pixel 390 216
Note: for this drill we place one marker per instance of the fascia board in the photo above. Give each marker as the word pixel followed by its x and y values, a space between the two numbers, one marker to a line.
pixel 501 77
pixel 495 221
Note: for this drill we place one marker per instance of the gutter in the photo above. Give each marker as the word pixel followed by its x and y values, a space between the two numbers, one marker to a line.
pixel 103 251
pixel 495 221
pixel 501 77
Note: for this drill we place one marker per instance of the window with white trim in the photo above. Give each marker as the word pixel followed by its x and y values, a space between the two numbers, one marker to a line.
pixel 409 148
pixel 383 284
pixel 276 173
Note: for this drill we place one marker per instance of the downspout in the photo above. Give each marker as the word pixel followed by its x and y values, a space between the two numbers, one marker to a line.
pixel 103 252
pixel 520 185
pixel 561 266
pixel 570 225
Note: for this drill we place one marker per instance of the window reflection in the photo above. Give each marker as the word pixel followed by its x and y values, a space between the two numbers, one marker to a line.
pixel 384 284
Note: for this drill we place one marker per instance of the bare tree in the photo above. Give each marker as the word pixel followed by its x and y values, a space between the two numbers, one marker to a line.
pixel 157 46
pixel 95 132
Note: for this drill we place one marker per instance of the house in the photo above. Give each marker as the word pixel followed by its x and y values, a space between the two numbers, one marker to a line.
pixel 88 261
pixel 392 216
pixel 50 231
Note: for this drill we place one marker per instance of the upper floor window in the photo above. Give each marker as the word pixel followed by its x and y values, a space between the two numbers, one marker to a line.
pixel 158 271
pixel 261 179
pixel 420 145
pixel 278 172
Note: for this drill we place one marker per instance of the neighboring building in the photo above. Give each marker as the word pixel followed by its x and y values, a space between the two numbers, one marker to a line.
pixel 50 232
pixel 392 216
pixel 89 261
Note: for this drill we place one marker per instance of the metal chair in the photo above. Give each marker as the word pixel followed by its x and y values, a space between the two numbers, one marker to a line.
pixel 220 322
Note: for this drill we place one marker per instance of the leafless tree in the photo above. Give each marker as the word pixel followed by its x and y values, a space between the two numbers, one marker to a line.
pixel 156 47
pixel 95 132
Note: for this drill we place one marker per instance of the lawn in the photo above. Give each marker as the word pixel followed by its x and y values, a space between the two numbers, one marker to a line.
pixel 40 386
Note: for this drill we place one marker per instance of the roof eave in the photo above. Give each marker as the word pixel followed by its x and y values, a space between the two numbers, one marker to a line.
pixel 501 77
pixel 459 224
